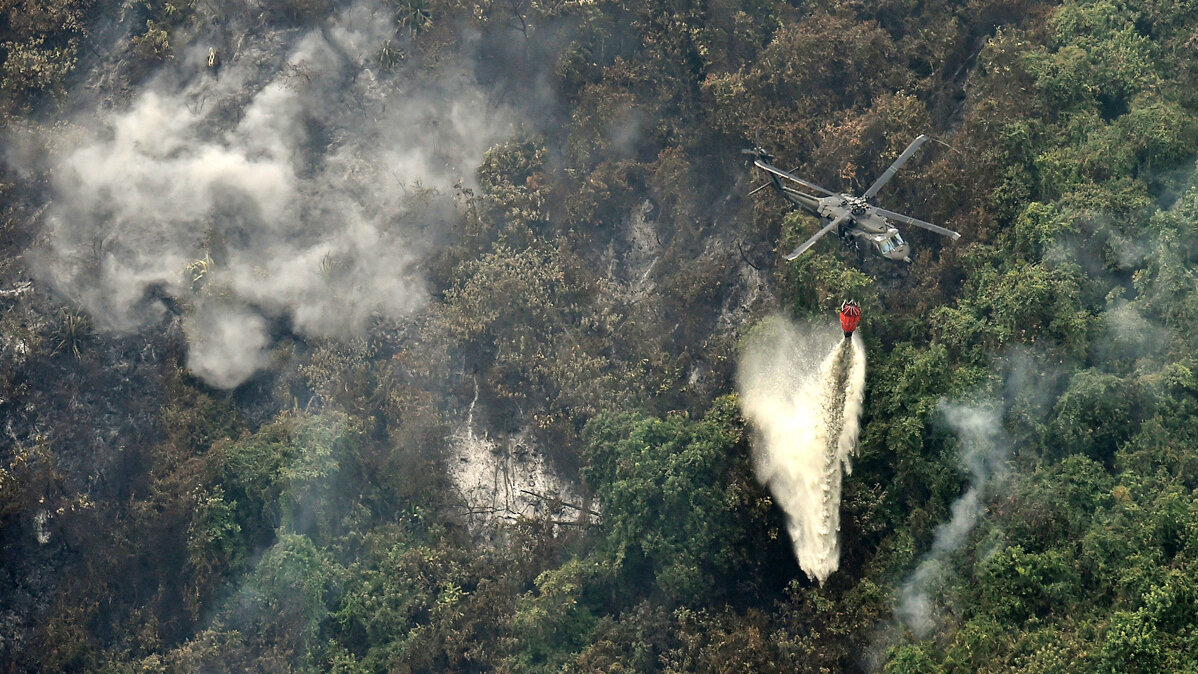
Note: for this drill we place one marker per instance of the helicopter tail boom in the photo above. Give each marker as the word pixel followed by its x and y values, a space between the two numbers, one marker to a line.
pixel 770 168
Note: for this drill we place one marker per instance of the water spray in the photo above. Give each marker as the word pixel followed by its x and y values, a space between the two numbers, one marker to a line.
pixel 802 390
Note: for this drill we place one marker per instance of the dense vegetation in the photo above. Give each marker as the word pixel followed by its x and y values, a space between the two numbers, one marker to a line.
pixel 303 522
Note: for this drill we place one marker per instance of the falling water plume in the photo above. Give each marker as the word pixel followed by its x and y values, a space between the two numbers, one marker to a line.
pixel 802 390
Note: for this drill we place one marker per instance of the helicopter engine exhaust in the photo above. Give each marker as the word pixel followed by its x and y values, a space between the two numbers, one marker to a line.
pixel 802 391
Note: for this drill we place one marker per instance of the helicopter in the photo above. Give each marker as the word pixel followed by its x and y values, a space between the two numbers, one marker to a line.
pixel 857 222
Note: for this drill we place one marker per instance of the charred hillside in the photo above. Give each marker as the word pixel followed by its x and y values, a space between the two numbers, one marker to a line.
pixel 402 335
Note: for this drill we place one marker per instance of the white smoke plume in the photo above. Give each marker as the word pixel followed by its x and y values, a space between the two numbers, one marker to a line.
pixel 802 390
pixel 297 182
pixel 983 447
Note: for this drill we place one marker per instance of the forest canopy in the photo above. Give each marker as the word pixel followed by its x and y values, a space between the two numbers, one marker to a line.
pixel 284 282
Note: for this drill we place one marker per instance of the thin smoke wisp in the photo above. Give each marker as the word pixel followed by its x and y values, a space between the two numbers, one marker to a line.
pixel 803 391
pixel 983 451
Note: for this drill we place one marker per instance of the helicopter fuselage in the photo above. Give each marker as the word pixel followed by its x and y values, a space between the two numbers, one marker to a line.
pixel 855 220
pixel 864 228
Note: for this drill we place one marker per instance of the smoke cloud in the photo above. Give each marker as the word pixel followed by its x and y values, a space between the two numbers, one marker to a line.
pixel 803 391
pixel 983 450
pixel 298 182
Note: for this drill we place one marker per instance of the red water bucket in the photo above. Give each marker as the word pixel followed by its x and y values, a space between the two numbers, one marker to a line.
pixel 850 316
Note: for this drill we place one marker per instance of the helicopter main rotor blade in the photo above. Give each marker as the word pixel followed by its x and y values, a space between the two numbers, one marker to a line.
pixel 783 174
pixel 894 168
pixel 757 189
pixel 916 222
pixel 811 242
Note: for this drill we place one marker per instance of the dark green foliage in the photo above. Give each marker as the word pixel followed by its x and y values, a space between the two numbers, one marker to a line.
pixel 282 604
pixel 672 504
pixel 1093 416
pixel 1017 585
pixel 1058 505
pixel 911 659
pixel 1159 635
pixel 591 295
pixel 553 622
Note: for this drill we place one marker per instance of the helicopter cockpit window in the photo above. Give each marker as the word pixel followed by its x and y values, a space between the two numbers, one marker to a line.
pixel 890 243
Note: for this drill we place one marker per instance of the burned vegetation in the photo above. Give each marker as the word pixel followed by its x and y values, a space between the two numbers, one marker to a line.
pixel 401 335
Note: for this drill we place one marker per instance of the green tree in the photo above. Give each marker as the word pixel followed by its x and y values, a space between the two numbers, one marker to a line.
pixel 674 498
pixel 1015 585
pixel 283 602
pixel 553 621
